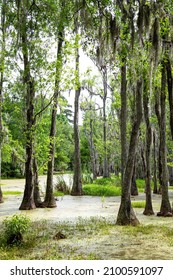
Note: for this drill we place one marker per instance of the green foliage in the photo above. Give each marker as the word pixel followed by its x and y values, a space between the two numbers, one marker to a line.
pixel 58 193
pixel 14 228
pixel 140 184
pixel 64 143
pixel 113 181
pixel 138 204
pixel 87 178
pixel 101 190
pixel 104 187
pixel 61 185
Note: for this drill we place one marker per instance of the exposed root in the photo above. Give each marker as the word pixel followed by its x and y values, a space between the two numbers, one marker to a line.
pixel 164 214
pixel 148 212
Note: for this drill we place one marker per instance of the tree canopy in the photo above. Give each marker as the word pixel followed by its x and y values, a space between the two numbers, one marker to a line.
pixel 125 98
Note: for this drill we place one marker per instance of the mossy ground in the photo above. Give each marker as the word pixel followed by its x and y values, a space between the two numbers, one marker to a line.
pixel 89 239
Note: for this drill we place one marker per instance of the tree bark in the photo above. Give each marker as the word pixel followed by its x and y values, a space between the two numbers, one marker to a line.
pixel 126 215
pixel 123 119
pixel 158 114
pixel 2 62
pixel 165 209
pixel 134 189
pixel 105 159
pixel 49 200
pixel 170 95
pixel 170 92
pixel 77 178
pixel 28 197
pixel 92 151
pixel 148 205
pixel 155 190
pixel 37 198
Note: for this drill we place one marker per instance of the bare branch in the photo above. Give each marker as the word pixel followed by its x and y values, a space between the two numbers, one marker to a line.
pixel 43 109
pixel 92 92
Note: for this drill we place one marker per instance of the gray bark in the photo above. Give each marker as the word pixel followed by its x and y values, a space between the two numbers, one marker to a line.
pixel 92 151
pixel 2 60
pixel 49 200
pixel 77 178
pixel 28 197
pixel 155 190
pixel 126 215
pixel 148 206
pixel 105 158
pixel 165 209
pixel 123 119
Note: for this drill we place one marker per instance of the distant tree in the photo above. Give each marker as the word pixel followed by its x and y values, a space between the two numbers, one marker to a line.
pixel 2 65
pixel 126 213
pixel 90 118
pixel 49 200
pixel 25 23
pixel 165 209
pixel 77 178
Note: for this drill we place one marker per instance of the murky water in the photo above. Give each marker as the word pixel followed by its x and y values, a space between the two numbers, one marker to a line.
pixel 70 208
pixel 111 245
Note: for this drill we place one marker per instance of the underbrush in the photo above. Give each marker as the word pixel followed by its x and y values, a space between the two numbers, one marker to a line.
pixel 100 190
pixel 61 186
pixel 46 240
pixel 109 186
pixel 87 239
pixel 103 187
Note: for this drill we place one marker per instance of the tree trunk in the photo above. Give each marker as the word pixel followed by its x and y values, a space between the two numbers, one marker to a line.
pixel 126 215
pixel 155 190
pixel 105 159
pixel 170 169
pixel 50 201
pixel 158 114
pixel 2 62
pixel 37 198
pixel 28 197
pixel 92 152
pixel 165 209
pixel 148 205
pixel 123 119
pixel 77 178
pixel 143 161
pixel 170 92
pixel 134 189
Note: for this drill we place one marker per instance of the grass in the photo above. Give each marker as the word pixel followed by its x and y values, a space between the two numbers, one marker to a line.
pixel 40 242
pixel 103 187
pixel 141 184
pixel 109 187
pixel 99 190
pixel 90 239
pixel 12 192
pixel 138 204
pixel 58 193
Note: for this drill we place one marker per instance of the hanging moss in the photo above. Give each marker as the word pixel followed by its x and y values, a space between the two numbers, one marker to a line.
pixel 156 38
pixel 132 33
pixel 140 20
pixel 114 31
pixel 147 17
